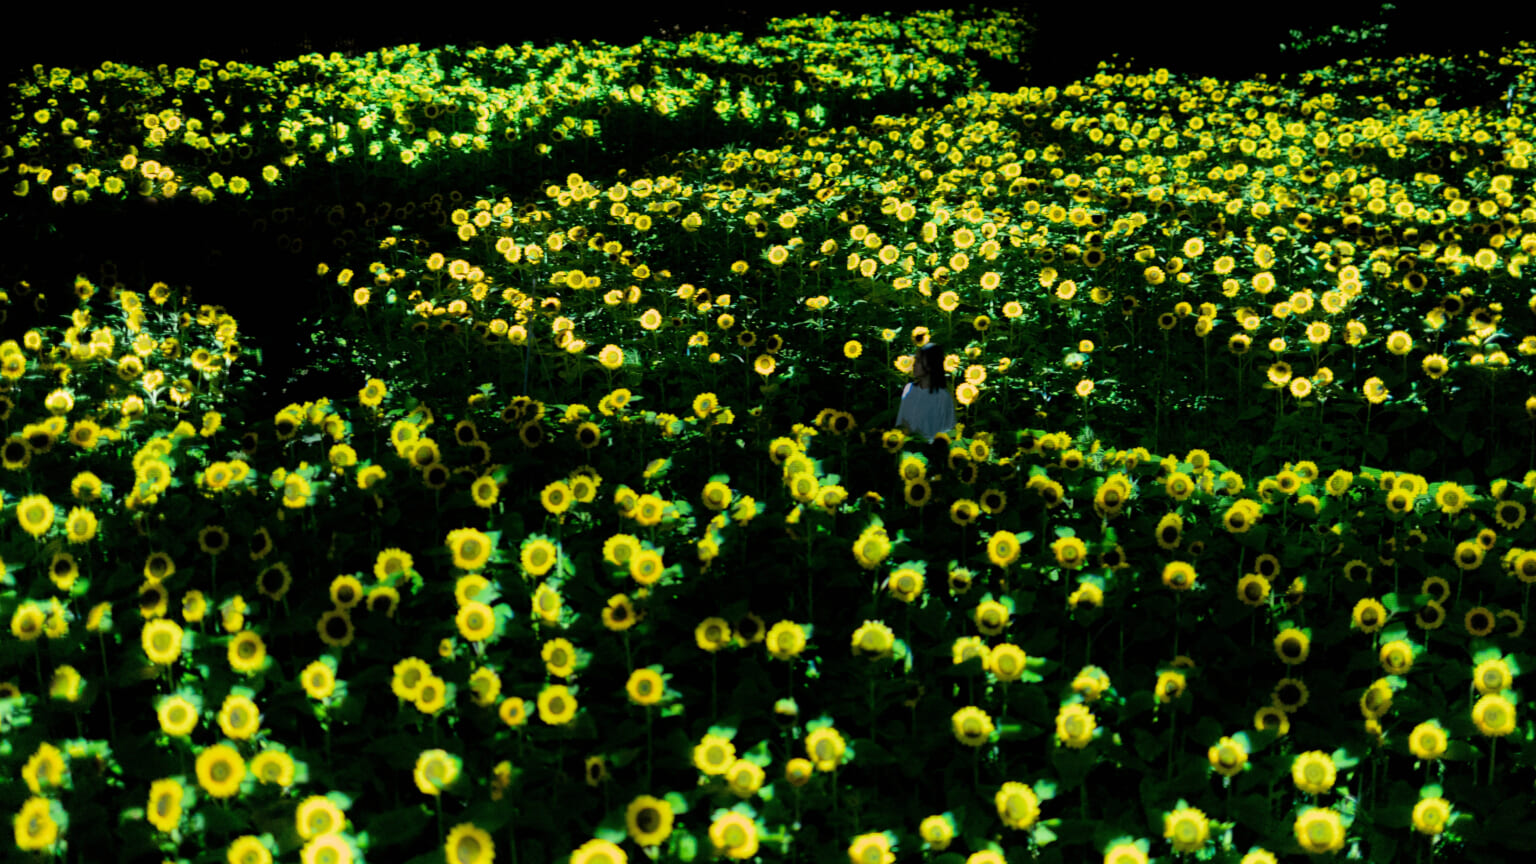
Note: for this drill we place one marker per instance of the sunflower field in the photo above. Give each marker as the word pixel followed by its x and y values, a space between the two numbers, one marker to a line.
pixel 606 549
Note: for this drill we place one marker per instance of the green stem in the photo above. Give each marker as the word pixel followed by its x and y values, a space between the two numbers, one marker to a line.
pixel 101 642
pixel 1493 754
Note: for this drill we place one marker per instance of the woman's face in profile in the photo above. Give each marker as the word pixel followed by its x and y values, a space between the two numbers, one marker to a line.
pixel 919 369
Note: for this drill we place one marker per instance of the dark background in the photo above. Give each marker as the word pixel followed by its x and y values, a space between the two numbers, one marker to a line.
pixel 1202 38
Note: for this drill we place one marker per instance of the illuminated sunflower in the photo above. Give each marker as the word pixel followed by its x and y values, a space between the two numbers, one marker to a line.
pixel 220 771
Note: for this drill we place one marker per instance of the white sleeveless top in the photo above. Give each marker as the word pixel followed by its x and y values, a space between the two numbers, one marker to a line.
pixel 926 413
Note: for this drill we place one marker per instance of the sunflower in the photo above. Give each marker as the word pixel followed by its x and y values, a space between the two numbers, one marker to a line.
pixel 35 513
pixel 1494 716
pixel 1319 830
pixel 1479 621
pixel 734 835
pixel 1075 725
pixel 45 768
pixel 1179 575
pixel 1369 616
pixel 1003 549
pixel 273 767
pixel 1428 740
pixel 162 640
pixel 1431 815
pixel 1070 552
pixel 1228 757
pixel 36 827
pixel 712 634
pixel 744 778
pixel 330 848
pixel 874 639
pixel 1396 657
pixel 471 549
pixel 1290 694
pixel 27 621
pixel 826 748
pixel 513 711
pixel 432 697
pixel 714 755
pixel 248 850
pixel 547 603
pixel 318 679
pixel 991 617
pixel 335 628
pixel 1292 646
pixel 1253 590
pixel 220 771
pixel 917 493
pixel 383 598
pixel 1270 717
pixel 1313 772
pixel 80 525
pixel 972 726
pixel 1187 828
pixel 1509 514
pixel 557 705
pixel 1169 531
pixel 476 621
pixel 1241 516
pixel 436 770
pixel 1170 686
pixel 391 562
pixel 239 718
pixel 1125 853
pixel 177 715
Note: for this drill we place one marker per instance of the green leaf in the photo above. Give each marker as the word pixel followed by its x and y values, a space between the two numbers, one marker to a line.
pixel 395 826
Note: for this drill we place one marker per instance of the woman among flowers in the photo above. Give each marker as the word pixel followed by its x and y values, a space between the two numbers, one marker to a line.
pixel 927 407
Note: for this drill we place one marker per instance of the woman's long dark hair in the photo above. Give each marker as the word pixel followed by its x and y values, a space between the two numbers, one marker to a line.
pixel 933 359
